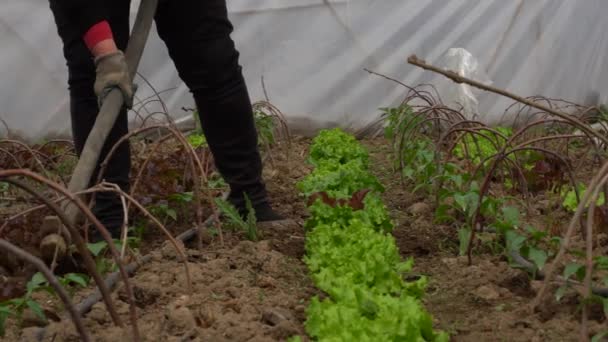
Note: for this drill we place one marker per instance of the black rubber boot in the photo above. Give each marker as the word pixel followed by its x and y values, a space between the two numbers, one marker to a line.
pixel 263 210
pixel 227 120
pixel 265 213
pixel 95 236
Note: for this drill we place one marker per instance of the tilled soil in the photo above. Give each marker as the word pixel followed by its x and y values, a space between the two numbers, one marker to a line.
pixel 249 292
pixel 258 291
pixel 242 291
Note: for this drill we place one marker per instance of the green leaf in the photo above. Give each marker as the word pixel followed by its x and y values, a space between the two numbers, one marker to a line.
pixel 511 215
pixel 171 213
pixel 5 312
pixel 252 232
pixel 599 336
pixel 15 302
pixel 538 257
pixel 197 140
pixel 182 197
pixel 535 234
pixel 3 317
pixel 555 240
pixel 461 201
pixel 37 279
pixel 230 212
pixel 97 248
pixel 464 235
pixel 559 294
pixel 601 263
pixel 442 215
pixel 573 268
pixel 36 309
pixel 77 278
pixel 514 241
pixel 36 282
pixel 604 304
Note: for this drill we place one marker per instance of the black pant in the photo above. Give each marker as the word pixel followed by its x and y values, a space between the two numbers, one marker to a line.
pixel 197 35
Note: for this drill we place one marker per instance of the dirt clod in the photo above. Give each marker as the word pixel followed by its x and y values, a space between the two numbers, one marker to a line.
pixel 169 251
pixel 30 319
pixel 420 208
pixel 273 317
pixel 49 244
pixel 179 316
pixel 487 293
pixel 99 314
pixel 265 281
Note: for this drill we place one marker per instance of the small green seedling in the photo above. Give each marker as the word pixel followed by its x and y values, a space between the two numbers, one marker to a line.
pixel 164 211
pixel 249 226
pixel 265 126
pixel 16 306
pixel 197 140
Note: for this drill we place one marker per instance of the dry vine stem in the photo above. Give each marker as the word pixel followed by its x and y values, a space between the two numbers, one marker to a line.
pixel 110 187
pixel 460 79
pixel 104 233
pixel 566 240
pixel 496 160
pixel 28 149
pixel 114 188
pixel 194 161
pixel 589 252
pixel 80 245
pixel 65 298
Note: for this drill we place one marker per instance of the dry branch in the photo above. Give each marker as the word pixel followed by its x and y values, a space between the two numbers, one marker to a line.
pixel 114 188
pixel 460 79
pixel 103 231
pixel 10 248
pixel 566 240
pixel 80 245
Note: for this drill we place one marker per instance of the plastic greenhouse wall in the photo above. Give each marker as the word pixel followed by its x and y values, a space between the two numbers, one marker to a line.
pixel 311 55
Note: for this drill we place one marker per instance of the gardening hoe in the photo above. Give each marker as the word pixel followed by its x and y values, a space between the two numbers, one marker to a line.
pixel 53 245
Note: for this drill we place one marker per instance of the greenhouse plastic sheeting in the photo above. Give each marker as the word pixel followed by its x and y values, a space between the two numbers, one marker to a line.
pixel 311 55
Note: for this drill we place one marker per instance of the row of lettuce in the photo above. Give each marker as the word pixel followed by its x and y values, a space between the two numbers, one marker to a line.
pixel 351 255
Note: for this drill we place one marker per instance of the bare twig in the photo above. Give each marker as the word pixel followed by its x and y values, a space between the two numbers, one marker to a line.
pixel 414 90
pixel 28 149
pixel 264 89
pixel 566 239
pixel 124 228
pixel 10 154
pixel 80 245
pixel 8 131
pixel 65 298
pixel 114 188
pixel 460 79
pixel 156 93
pixel 589 256
pixel 103 231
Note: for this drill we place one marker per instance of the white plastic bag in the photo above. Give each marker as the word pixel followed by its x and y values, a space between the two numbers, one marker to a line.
pixel 461 96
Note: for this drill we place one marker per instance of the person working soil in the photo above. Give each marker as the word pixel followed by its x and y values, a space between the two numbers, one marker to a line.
pixel 197 34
